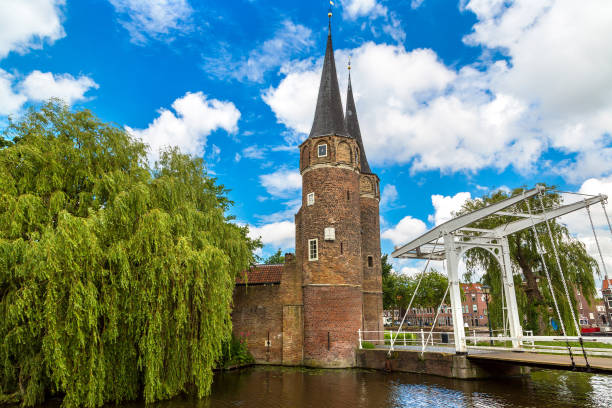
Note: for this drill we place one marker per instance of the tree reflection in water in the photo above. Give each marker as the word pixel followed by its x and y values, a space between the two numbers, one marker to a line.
pixel 279 387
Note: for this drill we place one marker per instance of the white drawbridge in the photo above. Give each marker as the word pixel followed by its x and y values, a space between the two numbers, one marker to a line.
pixel 450 240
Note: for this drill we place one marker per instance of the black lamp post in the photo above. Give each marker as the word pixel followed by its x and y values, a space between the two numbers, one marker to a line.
pixel 486 290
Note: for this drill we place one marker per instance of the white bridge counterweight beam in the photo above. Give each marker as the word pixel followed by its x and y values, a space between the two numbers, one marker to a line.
pixel 452 260
pixel 463 221
pixel 516 330
pixel 520 225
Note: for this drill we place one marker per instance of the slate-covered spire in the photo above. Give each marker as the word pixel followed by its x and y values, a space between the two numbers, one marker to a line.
pixel 328 117
pixel 352 125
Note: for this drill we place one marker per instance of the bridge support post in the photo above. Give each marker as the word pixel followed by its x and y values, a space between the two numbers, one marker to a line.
pixel 516 330
pixel 452 260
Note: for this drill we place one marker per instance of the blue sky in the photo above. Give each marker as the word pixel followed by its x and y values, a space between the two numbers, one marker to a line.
pixel 455 98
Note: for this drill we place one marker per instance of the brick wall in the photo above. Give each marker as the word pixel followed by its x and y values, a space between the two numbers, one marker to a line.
pixel 258 316
pixel 332 318
pixel 372 275
pixel 293 316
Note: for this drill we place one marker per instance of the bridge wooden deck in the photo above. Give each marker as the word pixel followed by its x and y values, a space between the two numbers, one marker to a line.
pixel 552 361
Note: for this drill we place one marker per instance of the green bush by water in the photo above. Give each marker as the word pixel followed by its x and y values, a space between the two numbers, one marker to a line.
pixel 235 353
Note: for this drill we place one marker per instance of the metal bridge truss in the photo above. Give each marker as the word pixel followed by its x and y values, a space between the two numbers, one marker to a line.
pixel 449 241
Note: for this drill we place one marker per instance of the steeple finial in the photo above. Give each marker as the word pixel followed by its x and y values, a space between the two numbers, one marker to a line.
pixel 329 118
pixel 329 16
pixel 352 124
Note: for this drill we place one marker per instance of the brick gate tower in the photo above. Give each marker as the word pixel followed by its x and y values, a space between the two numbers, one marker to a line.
pixel 337 230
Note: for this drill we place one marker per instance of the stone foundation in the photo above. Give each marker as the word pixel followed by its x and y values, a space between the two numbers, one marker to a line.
pixel 440 364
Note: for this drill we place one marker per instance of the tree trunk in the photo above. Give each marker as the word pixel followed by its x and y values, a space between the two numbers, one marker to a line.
pixel 532 291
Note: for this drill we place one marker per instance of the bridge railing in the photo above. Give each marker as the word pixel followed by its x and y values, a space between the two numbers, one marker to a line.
pixel 592 346
pixel 424 340
pixel 416 339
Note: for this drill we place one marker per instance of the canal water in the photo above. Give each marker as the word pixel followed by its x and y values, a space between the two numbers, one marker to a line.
pixel 277 387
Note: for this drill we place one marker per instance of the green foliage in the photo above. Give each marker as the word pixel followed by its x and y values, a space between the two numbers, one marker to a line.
pixel 235 353
pixel 386 266
pixel 532 290
pixel 398 289
pixel 367 345
pixel 4 142
pixel 116 280
pixel 276 259
pixel 400 336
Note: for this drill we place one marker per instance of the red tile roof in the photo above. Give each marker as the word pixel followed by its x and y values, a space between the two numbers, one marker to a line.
pixel 607 283
pixel 476 287
pixel 261 274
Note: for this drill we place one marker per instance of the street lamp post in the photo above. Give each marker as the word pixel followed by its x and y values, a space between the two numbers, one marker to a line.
pixel 486 291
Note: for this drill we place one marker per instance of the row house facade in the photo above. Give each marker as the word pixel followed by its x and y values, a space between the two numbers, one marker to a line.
pixel 475 311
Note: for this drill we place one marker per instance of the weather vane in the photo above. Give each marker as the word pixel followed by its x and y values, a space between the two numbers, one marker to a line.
pixel 329 13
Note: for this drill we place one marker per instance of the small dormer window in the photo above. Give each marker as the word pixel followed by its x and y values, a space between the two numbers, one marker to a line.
pixel 322 150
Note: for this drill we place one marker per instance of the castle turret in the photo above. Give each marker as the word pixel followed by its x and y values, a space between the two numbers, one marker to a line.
pixel 328 233
pixel 369 197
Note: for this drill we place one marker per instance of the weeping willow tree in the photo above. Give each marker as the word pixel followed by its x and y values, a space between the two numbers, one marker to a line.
pixel 115 279
pixel 531 284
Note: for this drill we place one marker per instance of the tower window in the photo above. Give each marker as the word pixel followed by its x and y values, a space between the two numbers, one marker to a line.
pixel 370 261
pixel 310 199
pixel 348 195
pixel 341 249
pixel 322 150
pixel 313 250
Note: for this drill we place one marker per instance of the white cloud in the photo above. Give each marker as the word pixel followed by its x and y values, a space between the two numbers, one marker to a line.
pixel 26 25
pixel 406 230
pixel 294 100
pixel 194 118
pixel 254 152
pixel 389 196
pixel 446 206
pixel 10 102
pixel 406 103
pixel 393 27
pixel 291 208
pixel 282 183
pixel 40 86
pixel 289 39
pixel 279 234
pixel 560 66
pixel 551 90
pixel 156 19
pixel 360 8
pixel 415 4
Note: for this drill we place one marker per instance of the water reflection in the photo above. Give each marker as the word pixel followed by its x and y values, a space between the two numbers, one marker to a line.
pixel 271 387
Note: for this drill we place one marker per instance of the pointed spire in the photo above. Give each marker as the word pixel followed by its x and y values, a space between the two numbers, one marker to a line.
pixel 328 117
pixel 352 125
